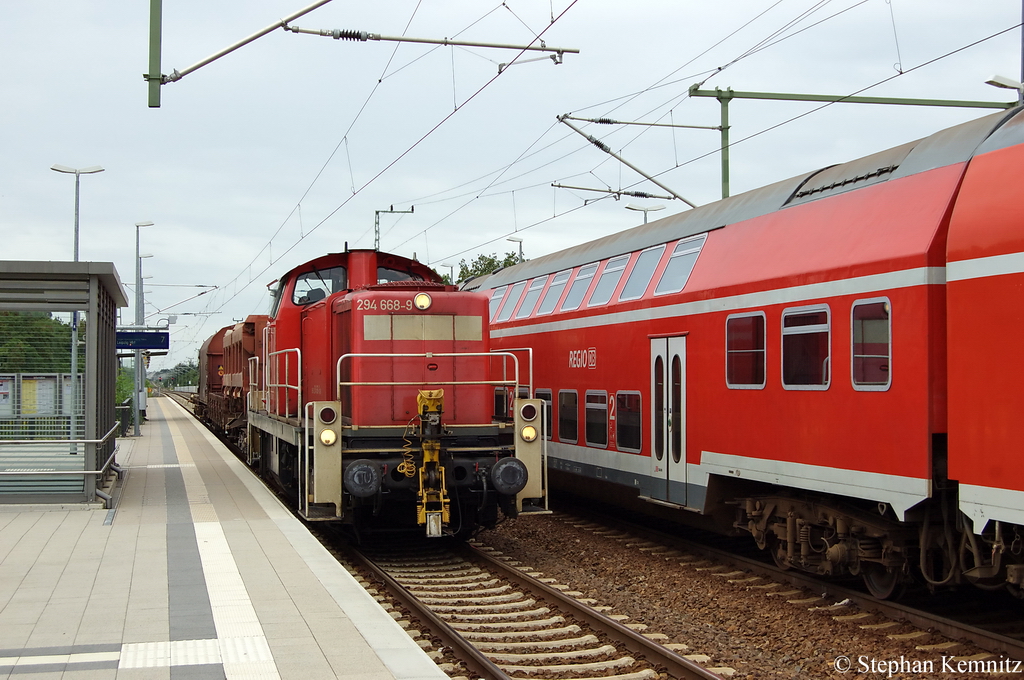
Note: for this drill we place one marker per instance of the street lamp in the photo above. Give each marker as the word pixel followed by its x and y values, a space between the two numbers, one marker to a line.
pixel 451 271
pixel 516 239
pixel 640 208
pixel 1007 84
pixel 77 172
pixel 140 383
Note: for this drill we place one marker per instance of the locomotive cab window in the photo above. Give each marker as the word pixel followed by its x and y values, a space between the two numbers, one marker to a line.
pixel 318 284
pixel 806 344
pixel 676 274
pixel 532 295
pixel 745 351
pixel 558 281
pixel 568 416
pixel 643 272
pixel 608 281
pixel 597 419
pixel 872 345
pixel 387 275
pixel 627 421
pixel 545 395
pixel 579 288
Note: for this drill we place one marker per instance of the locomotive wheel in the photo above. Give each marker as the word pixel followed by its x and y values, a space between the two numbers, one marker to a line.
pixel 881 582
pixel 777 549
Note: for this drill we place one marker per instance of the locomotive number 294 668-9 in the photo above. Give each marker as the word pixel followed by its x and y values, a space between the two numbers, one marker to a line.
pixel 384 305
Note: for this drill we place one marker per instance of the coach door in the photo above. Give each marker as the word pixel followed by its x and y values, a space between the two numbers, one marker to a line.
pixel 668 419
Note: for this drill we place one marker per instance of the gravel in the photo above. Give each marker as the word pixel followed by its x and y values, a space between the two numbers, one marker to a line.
pixel 737 626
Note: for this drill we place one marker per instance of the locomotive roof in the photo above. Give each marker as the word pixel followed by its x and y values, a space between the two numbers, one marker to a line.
pixel 946 147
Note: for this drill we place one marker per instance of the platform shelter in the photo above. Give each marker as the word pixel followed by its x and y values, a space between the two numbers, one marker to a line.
pixel 58 370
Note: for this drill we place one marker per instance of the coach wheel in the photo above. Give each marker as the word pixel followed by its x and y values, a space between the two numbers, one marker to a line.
pixel 880 582
pixel 778 550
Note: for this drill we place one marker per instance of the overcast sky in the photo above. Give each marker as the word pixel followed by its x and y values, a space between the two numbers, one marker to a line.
pixel 283 150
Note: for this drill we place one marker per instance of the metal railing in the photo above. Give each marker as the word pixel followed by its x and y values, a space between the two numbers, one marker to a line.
pixel 50 442
pixel 275 388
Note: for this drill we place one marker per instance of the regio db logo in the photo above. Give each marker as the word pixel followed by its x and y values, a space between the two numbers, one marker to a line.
pixel 583 358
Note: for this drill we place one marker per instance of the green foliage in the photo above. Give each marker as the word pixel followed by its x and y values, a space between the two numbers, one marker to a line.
pixel 185 373
pixel 485 264
pixel 35 342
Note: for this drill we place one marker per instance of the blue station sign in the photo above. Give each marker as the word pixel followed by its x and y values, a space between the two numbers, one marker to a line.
pixel 143 340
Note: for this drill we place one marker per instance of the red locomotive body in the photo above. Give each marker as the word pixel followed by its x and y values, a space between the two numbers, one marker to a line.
pixel 778 361
pixel 369 399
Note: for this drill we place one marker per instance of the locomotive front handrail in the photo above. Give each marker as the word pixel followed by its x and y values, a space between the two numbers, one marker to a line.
pixel 273 371
pixel 426 355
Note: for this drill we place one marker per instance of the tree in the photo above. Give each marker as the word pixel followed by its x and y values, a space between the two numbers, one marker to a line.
pixel 485 264
pixel 35 342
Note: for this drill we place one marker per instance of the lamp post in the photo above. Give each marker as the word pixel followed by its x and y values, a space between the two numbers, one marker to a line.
pixel 451 272
pixel 140 383
pixel 640 208
pixel 516 239
pixel 1008 84
pixel 77 172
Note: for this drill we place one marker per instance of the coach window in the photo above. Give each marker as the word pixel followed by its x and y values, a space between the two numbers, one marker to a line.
pixel 744 351
pixel 568 414
pixel 545 396
pixel 642 273
pixel 597 419
pixel 805 348
pixel 547 305
pixel 510 302
pixel 680 264
pixel 496 298
pixel 579 288
pixel 609 279
pixel 872 345
pixel 318 284
pixel 627 421
pixel 532 295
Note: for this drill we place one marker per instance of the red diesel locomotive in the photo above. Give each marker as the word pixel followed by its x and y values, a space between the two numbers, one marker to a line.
pixel 367 396
pixel 829 363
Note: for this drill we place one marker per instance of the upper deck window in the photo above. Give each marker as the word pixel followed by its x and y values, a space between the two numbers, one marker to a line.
pixel 510 302
pixel 318 284
pixel 806 344
pixel 609 279
pixel 680 265
pixel 547 305
pixel 496 297
pixel 532 295
pixel 642 273
pixel 872 345
pixel 579 288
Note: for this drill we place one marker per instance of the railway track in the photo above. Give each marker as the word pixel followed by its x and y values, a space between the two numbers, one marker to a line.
pixel 970 624
pixel 500 619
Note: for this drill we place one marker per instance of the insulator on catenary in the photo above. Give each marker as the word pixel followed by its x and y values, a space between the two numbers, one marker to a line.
pixel 338 34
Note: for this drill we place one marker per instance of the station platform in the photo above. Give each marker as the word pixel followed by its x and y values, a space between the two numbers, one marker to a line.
pixel 198 571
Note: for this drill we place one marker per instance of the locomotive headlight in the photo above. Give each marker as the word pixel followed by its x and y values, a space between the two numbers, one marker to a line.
pixel 422 301
pixel 327 437
pixel 528 433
